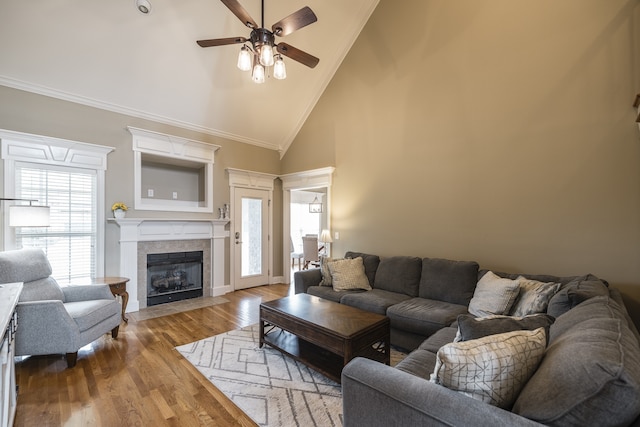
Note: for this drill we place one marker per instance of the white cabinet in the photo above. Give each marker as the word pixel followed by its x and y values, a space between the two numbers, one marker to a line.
pixel 9 294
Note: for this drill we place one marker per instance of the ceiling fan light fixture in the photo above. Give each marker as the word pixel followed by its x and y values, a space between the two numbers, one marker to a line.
pixel 266 55
pixel 257 75
pixel 279 69
pixel 244 59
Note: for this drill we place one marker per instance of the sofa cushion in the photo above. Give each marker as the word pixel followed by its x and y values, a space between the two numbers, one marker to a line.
pixel 423 316
pixel 492 369
pixel 329 293
pixel 533 297
pixel 493 295
pixel 440 338
pixel 576 291
pixel 419 362
pixel 471 328
pixel 376 300
pixel 399 274
pixel 348 274
pixel 590 374
pixel 87 314
pixel 370 262
pixel 446 280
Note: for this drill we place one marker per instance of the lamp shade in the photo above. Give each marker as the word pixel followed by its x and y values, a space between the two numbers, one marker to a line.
pixel 28 216
pixel 325 236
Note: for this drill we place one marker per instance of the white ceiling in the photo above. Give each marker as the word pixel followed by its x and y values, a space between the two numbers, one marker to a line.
pixel 109 55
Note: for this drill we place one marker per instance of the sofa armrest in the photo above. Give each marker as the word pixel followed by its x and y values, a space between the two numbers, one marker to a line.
pixel 303 279
pixel 75 293
pixel 374 394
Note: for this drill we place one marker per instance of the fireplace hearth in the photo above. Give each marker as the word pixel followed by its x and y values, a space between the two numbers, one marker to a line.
pixel 173 277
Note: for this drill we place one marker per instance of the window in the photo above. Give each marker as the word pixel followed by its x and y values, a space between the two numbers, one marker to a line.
pixel 68 176
pixel 70 240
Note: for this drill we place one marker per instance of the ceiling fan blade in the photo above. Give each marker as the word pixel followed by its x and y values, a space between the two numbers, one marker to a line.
pixel 237 9
pixel 293 22
pixel 297 55
pixel 221 42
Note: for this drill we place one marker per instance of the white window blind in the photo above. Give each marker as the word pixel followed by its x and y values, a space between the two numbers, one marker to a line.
pixel 70 240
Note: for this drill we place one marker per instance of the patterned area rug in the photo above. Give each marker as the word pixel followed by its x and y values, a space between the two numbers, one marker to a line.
pixel 271 388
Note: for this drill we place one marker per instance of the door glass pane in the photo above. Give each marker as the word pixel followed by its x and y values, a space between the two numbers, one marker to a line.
pixel 251 236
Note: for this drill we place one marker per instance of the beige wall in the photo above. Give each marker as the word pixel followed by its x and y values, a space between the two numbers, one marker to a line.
pixel 499 131
pixel 27 112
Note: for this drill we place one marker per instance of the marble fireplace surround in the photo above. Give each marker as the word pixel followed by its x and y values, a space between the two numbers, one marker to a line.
pixel 140 236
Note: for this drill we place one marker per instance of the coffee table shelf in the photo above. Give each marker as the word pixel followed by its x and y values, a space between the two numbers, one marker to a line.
pixel 323 361
pixel 323 334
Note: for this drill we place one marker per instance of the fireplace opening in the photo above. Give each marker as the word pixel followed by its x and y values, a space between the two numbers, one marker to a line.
pixel 173 277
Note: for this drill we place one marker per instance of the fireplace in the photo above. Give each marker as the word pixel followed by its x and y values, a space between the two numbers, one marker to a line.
pixel 173 276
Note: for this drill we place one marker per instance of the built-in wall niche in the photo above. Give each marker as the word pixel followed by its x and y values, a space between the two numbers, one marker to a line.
pixel 172 173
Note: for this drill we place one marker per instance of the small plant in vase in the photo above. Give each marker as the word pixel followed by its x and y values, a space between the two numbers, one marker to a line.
pixel 119 209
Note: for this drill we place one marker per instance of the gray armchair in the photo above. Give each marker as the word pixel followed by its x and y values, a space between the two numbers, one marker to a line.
pixel 54 319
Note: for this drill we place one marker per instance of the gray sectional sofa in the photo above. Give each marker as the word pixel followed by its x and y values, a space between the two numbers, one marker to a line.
pixel 588 375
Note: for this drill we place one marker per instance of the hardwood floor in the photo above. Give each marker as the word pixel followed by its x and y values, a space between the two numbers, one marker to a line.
pixel 139 379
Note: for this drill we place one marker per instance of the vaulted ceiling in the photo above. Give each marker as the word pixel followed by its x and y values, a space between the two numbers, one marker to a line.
pixel 109 55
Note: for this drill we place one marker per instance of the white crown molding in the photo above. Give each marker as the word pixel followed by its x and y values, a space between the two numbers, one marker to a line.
pixel 65 96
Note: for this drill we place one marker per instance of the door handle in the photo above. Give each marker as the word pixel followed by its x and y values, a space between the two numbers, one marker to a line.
pixel 237 238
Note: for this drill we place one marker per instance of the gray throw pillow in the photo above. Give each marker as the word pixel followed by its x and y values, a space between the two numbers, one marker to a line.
pixel 471 328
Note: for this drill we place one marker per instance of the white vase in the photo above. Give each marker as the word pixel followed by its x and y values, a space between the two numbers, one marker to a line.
pixel 119 214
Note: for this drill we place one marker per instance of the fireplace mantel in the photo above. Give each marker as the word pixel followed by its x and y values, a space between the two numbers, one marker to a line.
pixel 134 230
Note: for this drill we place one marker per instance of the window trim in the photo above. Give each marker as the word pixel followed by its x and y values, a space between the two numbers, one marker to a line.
pixel 29 148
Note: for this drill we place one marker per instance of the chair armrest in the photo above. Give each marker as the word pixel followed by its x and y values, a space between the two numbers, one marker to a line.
pixel 45 327
pixel 304 278
pixel 374 394
pixel 86 292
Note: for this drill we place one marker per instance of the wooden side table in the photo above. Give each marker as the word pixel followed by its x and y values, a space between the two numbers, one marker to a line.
pixel 118 286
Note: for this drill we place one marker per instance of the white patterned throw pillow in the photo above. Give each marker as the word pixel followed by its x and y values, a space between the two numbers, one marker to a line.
pixel 534 296
pixel 493 369
pixel 348 274
pixel 493 295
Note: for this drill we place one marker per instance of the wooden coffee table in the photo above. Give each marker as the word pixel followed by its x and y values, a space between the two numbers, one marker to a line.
pixel 323 334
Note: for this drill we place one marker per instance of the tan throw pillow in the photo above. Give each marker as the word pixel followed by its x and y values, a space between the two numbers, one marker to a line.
pixel 534 296
pixel 493 295
pixel 348 274
pixel 493 369
pixel 324 270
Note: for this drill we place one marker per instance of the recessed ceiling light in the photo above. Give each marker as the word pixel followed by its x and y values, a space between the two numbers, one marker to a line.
pixel 143 6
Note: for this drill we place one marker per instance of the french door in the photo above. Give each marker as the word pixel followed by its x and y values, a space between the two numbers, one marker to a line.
pixel 250 237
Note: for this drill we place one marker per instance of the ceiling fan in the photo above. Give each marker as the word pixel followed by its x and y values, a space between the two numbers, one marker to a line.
pixel 261 52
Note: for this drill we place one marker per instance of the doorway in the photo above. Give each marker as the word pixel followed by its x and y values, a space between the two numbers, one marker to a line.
pixel 315 182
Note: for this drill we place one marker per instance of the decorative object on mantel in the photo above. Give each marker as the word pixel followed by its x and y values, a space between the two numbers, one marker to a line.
pixel 220 213
pixel 315 206
pixel 227 211
pixel 260 55
pixel 119 210
pixel 27 216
